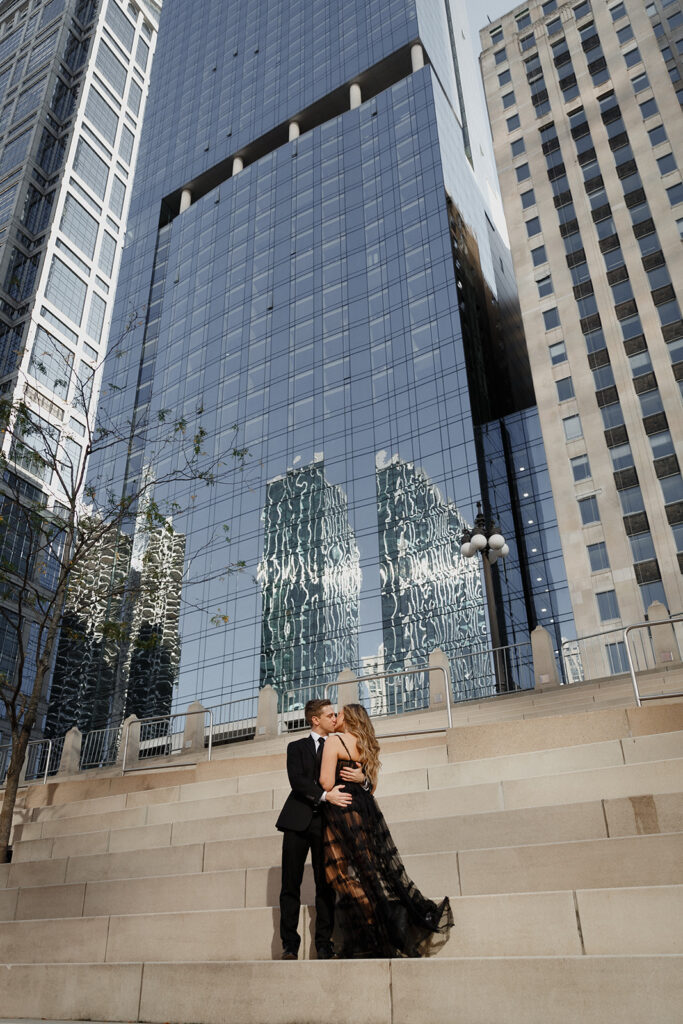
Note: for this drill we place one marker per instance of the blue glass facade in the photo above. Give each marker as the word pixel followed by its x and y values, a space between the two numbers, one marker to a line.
pixel 312 299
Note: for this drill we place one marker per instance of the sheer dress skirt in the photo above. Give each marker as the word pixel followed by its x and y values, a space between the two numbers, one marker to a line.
pixel 380 911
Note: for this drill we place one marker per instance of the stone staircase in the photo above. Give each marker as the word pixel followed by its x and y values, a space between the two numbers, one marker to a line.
pixel 557 831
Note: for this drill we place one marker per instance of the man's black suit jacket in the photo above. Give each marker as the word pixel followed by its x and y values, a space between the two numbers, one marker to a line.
pixel 303 769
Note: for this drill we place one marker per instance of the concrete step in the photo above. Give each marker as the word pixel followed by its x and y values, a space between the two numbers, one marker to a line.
pixel 218 798
pixel 600 922
pixel 516 990
pixel 518 868
pixel 570 787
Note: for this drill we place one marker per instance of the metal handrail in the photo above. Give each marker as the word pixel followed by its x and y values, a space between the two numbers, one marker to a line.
pixel 647 625
pixel 37 743
pixel 495 653
pixel 409 672
pixel 165 718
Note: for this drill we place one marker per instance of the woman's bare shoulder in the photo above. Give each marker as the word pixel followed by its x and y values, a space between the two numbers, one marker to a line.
pixel 347 738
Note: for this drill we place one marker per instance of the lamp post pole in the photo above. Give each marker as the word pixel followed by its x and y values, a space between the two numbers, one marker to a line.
pixel 487 539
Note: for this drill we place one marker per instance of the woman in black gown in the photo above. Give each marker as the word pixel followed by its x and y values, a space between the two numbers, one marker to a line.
pixel 380 911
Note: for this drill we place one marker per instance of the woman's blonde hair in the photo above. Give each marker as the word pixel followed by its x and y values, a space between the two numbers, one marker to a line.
pixel 357 722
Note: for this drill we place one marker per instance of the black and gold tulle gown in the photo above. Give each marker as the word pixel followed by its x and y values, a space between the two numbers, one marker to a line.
pixel 380 911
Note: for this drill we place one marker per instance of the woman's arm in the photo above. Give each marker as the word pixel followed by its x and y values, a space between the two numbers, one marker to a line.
pixel 328 767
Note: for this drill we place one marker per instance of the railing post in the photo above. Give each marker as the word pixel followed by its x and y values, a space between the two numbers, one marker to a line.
pixel 347 688
pixel 664 645
pixel 439 672
pixel 69 762
pixel 130 747
pixel 193 734
pixel 266 714
pixel 545 667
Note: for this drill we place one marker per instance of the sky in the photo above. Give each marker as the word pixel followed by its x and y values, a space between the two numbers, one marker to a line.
pixel 479 9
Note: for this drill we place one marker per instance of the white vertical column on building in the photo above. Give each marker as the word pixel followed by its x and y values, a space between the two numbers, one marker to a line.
pixel 185 200
pixel 237 164
pixel 417 56
pixel 355 96
pixel 294 130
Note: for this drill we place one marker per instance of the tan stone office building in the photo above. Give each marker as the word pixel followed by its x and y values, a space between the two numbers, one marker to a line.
pixel 584 101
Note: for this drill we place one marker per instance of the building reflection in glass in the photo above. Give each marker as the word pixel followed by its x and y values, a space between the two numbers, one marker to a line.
pixel 119 649
pixel 310 580
pixel 431 595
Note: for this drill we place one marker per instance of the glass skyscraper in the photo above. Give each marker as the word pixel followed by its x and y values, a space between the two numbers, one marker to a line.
pixel 73 86
pixel 310 256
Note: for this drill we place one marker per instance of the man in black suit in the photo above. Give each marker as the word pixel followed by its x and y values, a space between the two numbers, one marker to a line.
pixel 301 824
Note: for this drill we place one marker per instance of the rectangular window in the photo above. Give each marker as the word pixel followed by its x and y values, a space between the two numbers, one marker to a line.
pixel 134 97
pixel 572 428
pixel 101 116
pixel 538 256
pixel 96 315
pixel 142 54
pixel 512 123
pixel 675 194
pixel 522 172
pixel 545 286
pixel 648 108
pixel 617 12
pixel 107 254
pixel 558 353
pixel 581 469
pixel 526 42
pixel 597 554
pixel 588 507
pixel 66 290
pixel 91 168
pixel 621 456
pixel 79 226
pixel 528 199
pixel 603 377
pixel 111 67
pixel 616 657
pixel 508 100
pixel 612 415
pixel 117 197
pixel 661 444
pixel 504 77
pixel 51 363
pixel 126 144
pixel 551 318
pixel 633 57
pixel 631 500
pixel 518 147
pixel 642 547
pixel 533 227
pixel 608 607
pixel 651 402
pixel 120 25
pixel 624 34
pixel 657 135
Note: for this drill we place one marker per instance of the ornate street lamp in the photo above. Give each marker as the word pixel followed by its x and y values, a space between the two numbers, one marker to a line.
pixel 486 539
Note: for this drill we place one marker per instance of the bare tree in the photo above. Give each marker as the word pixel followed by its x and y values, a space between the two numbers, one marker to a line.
pixel 62 499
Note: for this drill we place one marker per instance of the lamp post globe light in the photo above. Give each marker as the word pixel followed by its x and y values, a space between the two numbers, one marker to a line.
pixel 486 539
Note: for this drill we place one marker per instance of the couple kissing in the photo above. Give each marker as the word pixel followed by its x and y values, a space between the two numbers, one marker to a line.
pixel 360 881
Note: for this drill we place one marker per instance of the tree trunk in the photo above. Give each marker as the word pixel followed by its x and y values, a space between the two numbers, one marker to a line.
pixel 19 745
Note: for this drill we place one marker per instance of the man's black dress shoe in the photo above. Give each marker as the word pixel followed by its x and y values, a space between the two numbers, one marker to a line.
pixel 289 954
pixel 327 953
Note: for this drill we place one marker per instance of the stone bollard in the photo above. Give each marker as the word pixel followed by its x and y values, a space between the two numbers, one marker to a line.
pixel 132 750
pixel 437 682
pixel 546 675
pixel 664 642
pixel 69 762
pixel 266 714
pixel 194 733
pixel 347 688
